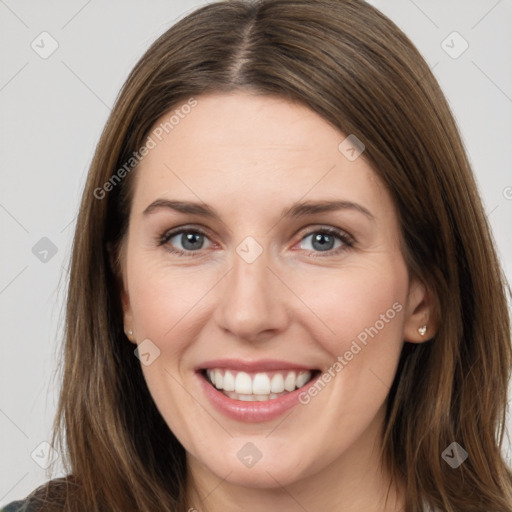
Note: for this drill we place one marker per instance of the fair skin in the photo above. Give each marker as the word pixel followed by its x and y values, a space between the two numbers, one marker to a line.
pixel 249 157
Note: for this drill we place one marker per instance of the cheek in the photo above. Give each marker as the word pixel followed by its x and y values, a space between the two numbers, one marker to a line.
pixel 337 306
pixel 362 316
pixel 357 305
pixel 165 301
pixel 161 295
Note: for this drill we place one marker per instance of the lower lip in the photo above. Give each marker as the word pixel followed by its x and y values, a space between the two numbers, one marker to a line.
pixel 252 412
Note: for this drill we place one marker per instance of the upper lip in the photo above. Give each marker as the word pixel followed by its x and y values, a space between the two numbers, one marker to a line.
pixel 252 365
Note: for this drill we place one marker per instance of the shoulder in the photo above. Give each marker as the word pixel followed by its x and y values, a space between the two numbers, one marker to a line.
pixel 49 496
pixel 26 505
pixel 19 506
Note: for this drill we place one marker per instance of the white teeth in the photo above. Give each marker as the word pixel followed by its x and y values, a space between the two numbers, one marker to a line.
pixel 229 382
pixel 302 378
pixel 259 386
pixel 277 384
pixel 246 398
pixel 243 383
pixel 218 379
pixel 253 398
pixel 289 382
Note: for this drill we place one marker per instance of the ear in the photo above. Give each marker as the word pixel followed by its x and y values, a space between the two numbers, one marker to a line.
pixel 420 312
pixel 127 315
pixel 116 256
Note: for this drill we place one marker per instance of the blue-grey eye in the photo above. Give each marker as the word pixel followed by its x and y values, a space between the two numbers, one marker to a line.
pixel 189 240
pixel 321 241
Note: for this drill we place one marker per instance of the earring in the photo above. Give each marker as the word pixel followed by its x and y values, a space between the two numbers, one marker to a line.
pixel 422 330
pixel 130 333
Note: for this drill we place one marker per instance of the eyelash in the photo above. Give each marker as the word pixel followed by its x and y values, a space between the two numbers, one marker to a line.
pixel 345 238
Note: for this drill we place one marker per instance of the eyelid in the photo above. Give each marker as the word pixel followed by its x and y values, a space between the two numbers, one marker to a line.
pixel 346 238
pixel 171 233
pixel 325 228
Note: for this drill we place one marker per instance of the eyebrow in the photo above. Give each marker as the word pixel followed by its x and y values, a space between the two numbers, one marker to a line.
pixel 297 210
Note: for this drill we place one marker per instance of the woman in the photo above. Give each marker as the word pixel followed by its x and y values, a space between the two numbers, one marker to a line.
pixel 284 293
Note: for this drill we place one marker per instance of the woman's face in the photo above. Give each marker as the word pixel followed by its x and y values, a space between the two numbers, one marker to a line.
pixel 260 253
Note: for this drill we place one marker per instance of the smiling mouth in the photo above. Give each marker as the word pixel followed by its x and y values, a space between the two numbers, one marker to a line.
pixel 257 386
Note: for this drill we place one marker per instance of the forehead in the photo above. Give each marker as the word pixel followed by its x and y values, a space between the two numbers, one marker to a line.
pixel 255 150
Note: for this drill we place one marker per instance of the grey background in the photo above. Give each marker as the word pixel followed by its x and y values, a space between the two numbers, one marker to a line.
pixel 52 113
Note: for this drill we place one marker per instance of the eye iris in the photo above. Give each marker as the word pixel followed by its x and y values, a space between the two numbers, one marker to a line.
pixel 325 242
pixel 189 239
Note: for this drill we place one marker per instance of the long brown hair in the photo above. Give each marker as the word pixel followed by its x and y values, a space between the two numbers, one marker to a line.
pixel 355 68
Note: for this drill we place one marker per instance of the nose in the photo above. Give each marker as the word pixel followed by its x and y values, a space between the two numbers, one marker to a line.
pixel 252 303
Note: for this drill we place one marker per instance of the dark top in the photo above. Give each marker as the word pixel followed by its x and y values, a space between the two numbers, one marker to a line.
pixel 51 491
pixel 19 506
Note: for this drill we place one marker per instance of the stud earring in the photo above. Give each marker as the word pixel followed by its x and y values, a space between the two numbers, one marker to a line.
pixel 130 333
pixel 422 330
